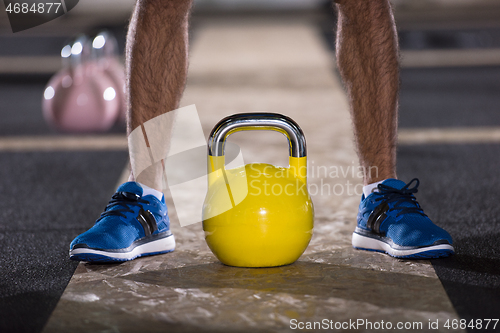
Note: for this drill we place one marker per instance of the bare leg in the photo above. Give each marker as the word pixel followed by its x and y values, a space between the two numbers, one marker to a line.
pixel 156 65
pixel 367 56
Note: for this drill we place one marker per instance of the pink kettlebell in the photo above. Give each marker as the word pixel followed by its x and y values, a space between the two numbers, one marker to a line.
pixel 105 53
pixel 79 98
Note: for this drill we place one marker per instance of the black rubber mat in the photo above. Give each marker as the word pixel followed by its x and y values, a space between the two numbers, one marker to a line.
pixel 21 107
pixel 460 183
pixel 442 97
pixel 50 45
pixel 46 199
pixel 450 97
pixel 460 190
pixel 449 39
pixel 484 37
pixel 29 45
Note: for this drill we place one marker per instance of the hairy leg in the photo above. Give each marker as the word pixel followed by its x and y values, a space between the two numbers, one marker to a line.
pixel 156 67
pixel 367 56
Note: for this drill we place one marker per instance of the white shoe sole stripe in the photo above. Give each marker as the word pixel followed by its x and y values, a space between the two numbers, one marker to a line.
pixel 160 245
pixel 374 244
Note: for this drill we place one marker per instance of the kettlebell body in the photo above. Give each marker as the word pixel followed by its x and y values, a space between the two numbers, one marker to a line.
pixel 105 53
pixel 80 97
pixel 78 104
pixel 116 72
pixel 257 215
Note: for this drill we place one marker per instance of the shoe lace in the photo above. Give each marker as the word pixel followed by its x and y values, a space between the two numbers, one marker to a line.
pixel 399 197
pixel 126 200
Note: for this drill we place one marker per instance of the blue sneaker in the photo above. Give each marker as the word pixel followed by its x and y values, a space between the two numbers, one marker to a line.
pixel 392 221
pixel 131 226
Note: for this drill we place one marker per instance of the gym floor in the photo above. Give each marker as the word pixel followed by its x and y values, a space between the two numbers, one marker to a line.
pixel 53 186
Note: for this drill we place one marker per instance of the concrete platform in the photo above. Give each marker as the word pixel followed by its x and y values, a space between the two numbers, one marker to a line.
pixel 279 67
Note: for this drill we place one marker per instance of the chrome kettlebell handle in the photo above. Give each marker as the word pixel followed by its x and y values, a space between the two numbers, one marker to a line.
pixel 257 121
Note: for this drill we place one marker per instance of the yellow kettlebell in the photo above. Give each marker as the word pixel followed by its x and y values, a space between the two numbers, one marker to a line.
pixel 257 215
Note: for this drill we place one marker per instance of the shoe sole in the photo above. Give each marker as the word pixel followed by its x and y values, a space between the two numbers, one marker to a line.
pixel 362 242
pixel 159 246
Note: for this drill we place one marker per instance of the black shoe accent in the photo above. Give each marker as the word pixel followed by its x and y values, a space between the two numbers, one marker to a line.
pixel 148 221
pixel 377 217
